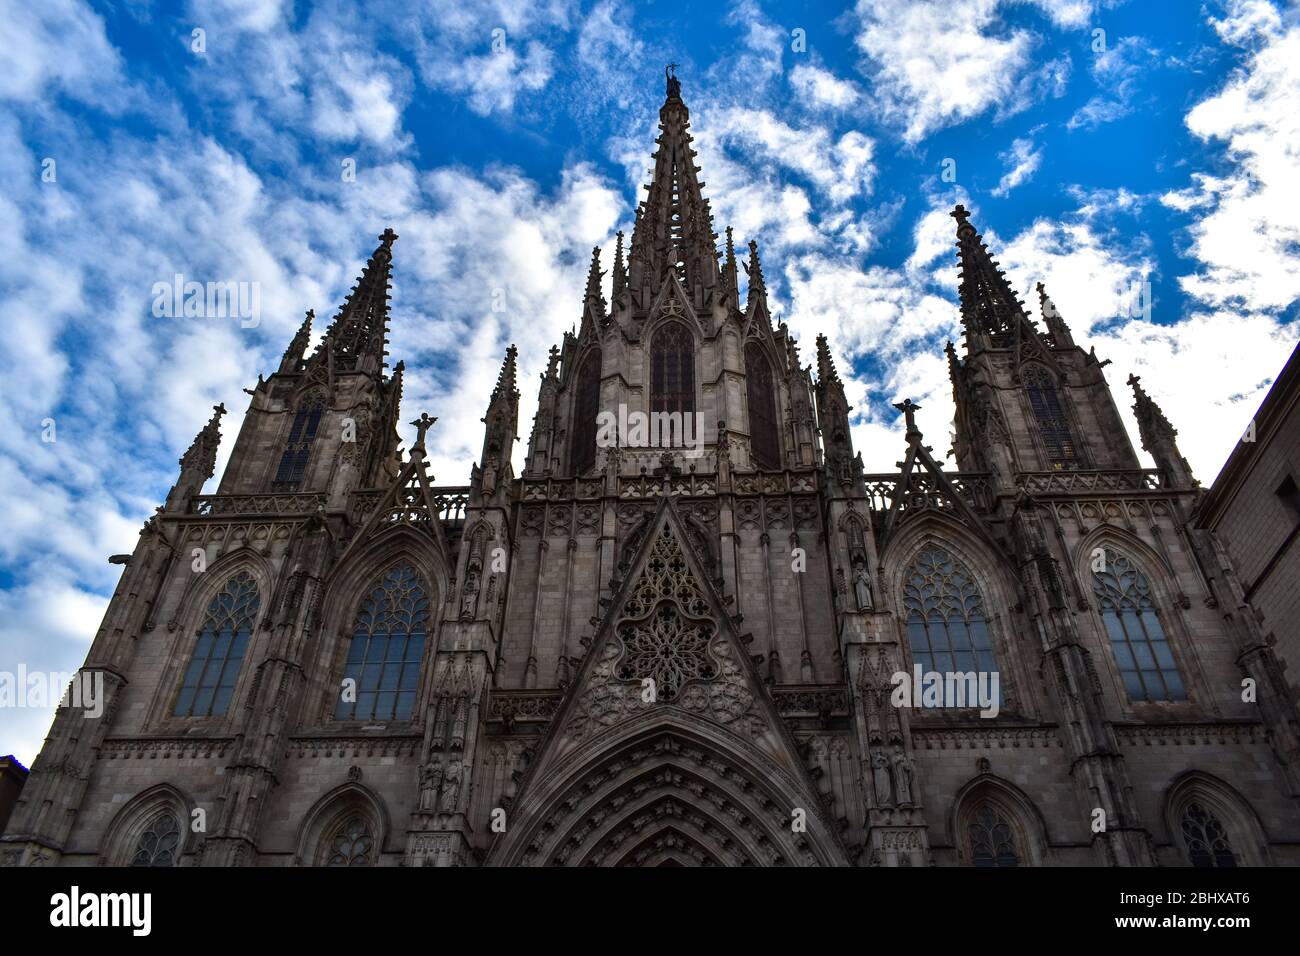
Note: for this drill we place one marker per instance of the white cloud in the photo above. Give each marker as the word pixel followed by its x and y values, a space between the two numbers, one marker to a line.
pixel 1247 233
pixel 59 46
pixel 1024 160
pixel 933 65
pixel 821 88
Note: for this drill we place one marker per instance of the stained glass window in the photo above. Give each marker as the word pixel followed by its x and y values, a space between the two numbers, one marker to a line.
pixel 763 434
pixel 159 845
pixel 297 450
pixel 1053 425
pixel 586 406
pixel 382 672
pixel 672 372
pixel 223 638
pixel 1137 638
pixel 1206 838
pixel 946 626
pixel 351 844
pixel 990 839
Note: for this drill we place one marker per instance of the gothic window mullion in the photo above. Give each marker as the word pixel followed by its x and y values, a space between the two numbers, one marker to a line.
pixel 220 644
pixel 386 650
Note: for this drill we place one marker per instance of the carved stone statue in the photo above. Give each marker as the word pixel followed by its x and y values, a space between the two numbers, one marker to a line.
pixel 881 776
pixel 451 787
pixel 862 583
pixel 430 784
pixel 903 778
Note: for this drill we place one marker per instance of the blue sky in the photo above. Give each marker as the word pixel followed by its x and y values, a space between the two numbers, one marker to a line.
pixel 1164 148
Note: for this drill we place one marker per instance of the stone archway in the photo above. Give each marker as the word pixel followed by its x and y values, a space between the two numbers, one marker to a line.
pixel 667 793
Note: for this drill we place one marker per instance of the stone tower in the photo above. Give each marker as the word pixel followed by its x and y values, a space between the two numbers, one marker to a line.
pixel 692 631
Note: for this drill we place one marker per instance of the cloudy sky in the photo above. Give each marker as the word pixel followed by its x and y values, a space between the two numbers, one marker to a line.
pixel 1100 144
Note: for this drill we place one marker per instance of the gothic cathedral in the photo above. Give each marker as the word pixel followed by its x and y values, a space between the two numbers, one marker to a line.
pixel 744 653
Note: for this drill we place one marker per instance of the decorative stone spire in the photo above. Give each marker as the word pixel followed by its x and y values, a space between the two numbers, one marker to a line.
pixel 826 372
pixel 293 355
pixel 198 463
pixel 358 335
pixel 1056 327
pixel 673 231
pixel 1159 439
pixel 731 272
pixel 988 305
pixel 754 269
pixel 541 440
pixel 620 267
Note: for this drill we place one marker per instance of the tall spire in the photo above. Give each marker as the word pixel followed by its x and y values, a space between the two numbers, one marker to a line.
pixel 1056 327
pixel 731 272
pixel 825 364
pixel 674 226
pixel 1159 438
pixel 506 378
pixel 199 461
pixel 493 473
pixel 594 275
pixel 620 267
pixel 754 269
pixel 292 360
pixel 988 305
pixel 358 334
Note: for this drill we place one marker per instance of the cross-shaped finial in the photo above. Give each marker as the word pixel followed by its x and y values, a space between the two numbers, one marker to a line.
pixel 422 425
pixel 387 237
pixel 909 409
pixel 1133 380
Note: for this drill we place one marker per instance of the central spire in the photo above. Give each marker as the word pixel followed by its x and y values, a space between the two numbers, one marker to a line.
pixel 674 225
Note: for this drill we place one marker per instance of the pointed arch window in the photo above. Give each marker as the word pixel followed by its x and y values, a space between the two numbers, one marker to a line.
pixel 297 449
pixel 1053 425
pixel 223 638
pixel 672 372
pixel 992 840
pixel 1137 638
pixel 1206 837
pixel 382 671
pixel 764 438
pixel 947 629
pixel 586 406
pixel 351 844
pixel 160 843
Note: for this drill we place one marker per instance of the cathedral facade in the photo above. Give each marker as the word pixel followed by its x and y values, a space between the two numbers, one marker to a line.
pixel 729 646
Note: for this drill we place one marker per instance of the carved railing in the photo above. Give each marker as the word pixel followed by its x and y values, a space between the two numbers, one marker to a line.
pixel 1089 482
pixel 823 701
pixel 450 503
pixel 923 492
pixel 535 706
pixel 278 504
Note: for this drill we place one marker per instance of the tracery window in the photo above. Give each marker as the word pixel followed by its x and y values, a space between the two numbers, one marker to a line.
pixel 672 372
pixel 159 845
pixel 297 450
pixel 351 844
pixel 763 434
pixel 1137 638
pixel 991 840
pixel 586 406
pixel 946 626
pixel 1206 837
pixel 382 672
pixel 223 638
pixel 1053 425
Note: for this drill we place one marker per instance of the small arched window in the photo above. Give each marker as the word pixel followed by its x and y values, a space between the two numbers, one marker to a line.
pixel 351 844
pixel 1205 836
pixel 160 843
pixel 382 671
pixel 1137 638
pixel 672 373
pixel 947 629
pixel 1053 425
pixel 586 407
pixel 764 438
pixel 992 840
pixel 297 449
pixel 223 638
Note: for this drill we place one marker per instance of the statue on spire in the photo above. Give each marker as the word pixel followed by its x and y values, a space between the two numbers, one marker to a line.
pixel 674 84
